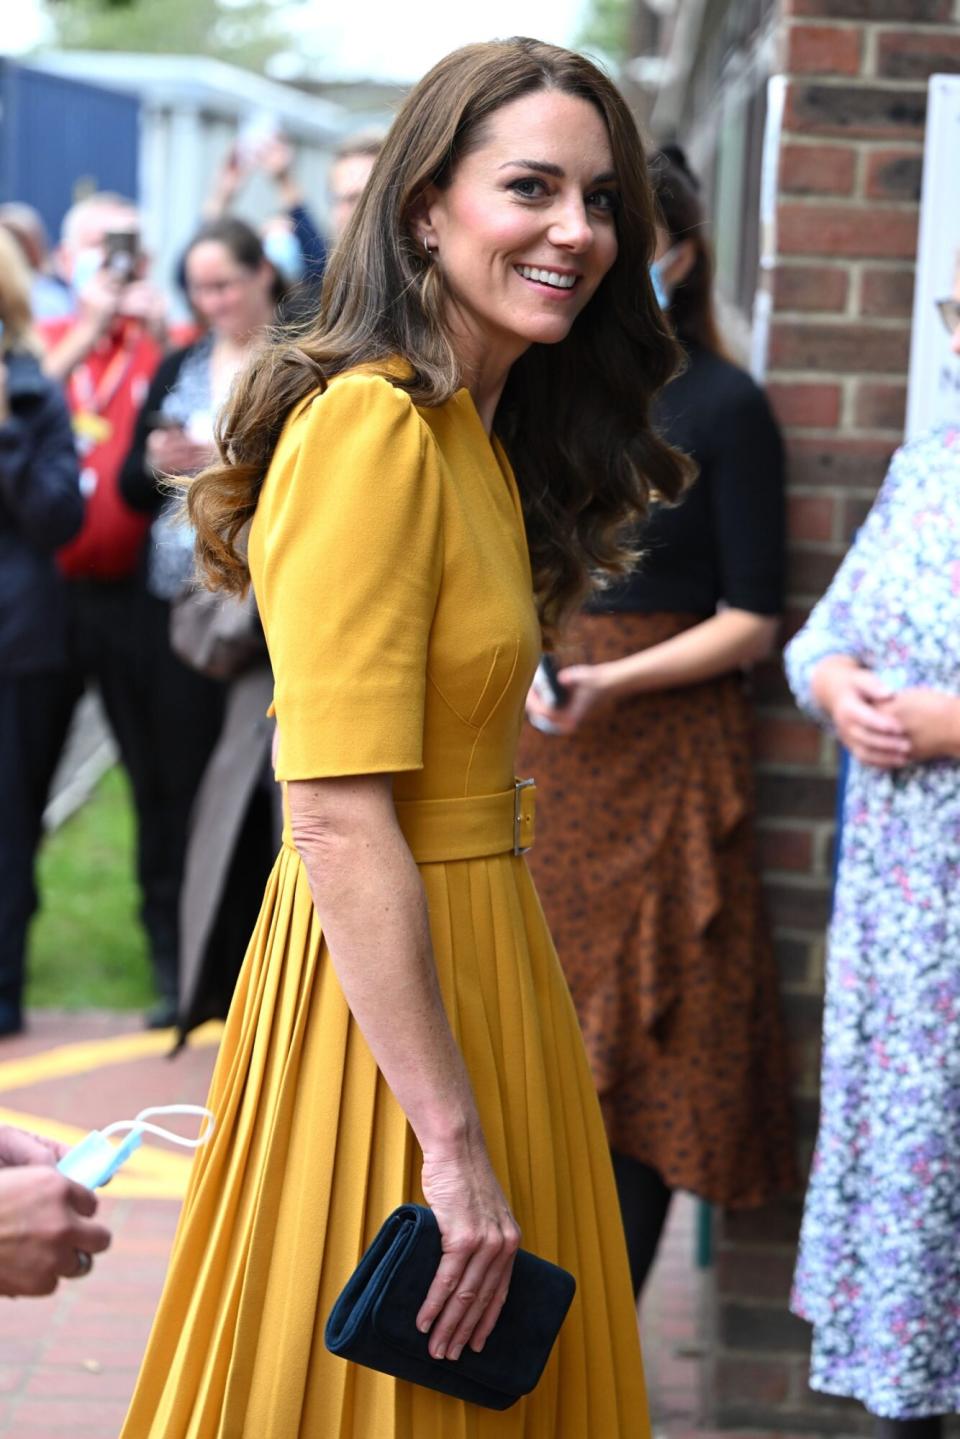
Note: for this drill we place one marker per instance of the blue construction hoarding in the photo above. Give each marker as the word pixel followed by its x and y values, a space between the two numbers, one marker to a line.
pixel 62 138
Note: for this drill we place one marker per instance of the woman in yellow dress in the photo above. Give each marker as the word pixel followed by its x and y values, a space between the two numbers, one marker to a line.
pixel 421 485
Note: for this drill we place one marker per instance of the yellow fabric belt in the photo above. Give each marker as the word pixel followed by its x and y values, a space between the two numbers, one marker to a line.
pixel 479 825
pixel 484 824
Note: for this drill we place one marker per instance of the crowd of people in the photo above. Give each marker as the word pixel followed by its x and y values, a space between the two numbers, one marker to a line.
pixel 437 446
pixel 89 581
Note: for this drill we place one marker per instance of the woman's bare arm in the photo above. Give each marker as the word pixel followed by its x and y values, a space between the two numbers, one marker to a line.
pixel 371 904
pixel 724 642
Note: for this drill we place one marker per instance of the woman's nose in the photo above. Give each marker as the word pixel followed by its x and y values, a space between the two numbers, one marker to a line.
pixel 571 228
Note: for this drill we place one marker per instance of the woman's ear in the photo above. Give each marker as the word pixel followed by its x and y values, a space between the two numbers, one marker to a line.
pixel 681 264
pixel 421 219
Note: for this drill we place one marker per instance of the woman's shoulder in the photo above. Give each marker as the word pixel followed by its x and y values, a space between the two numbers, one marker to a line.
pixel 723 381
pixel 361 401
pixel 934 449
pixel 925 464
pixel 30 392
pixel 714 393
pixel 357 431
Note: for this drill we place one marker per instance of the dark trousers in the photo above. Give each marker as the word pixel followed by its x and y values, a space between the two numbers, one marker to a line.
pixel 165 719
pixel 644 1205
pixel 30 741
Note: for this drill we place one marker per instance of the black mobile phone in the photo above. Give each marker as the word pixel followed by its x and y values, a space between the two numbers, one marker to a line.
pixel 121 250
pixel 559 693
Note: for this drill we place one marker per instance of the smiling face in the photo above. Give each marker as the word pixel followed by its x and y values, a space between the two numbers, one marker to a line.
pixel 230 297
pixel 526 230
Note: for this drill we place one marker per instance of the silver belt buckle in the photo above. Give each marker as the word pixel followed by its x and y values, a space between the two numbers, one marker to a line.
pixel 518 787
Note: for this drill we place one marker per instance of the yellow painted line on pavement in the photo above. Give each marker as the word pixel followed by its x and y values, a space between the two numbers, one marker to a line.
pixel 154 1171
pixel 67 1059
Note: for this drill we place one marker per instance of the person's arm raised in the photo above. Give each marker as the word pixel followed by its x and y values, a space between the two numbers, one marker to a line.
pixel 371 904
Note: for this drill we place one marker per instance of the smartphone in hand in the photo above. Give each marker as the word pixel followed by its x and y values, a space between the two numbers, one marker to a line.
pixel 121 249
pixel 552 692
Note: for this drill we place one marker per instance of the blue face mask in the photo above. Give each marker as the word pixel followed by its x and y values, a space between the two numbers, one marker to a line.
pixel 659 288
pixel 656 276
pixel 86 264
pixel 285 253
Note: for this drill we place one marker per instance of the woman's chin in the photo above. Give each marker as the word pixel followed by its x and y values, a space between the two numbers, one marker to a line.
pixel 548 329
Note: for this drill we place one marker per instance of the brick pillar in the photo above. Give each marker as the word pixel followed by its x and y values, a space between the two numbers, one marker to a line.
pixel 841 278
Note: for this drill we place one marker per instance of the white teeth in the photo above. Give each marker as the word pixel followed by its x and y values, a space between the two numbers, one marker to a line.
pixel 547 277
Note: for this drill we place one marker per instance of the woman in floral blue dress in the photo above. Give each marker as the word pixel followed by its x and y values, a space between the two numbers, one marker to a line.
pixel 878 1273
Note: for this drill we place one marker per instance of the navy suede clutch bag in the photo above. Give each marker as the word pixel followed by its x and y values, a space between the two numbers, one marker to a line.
pixel 374 1320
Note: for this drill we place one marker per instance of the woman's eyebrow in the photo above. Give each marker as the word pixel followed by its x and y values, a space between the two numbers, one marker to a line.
pixel 544 167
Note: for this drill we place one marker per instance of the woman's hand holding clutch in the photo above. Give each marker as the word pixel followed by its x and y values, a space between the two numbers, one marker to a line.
pixel 480 1238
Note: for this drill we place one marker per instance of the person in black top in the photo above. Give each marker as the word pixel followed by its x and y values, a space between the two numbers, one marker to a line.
pixel 725 542
pixel 645 859
pixel 40 509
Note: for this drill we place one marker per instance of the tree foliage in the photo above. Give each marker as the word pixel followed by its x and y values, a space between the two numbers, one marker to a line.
pixel 244 32
pixel 606 28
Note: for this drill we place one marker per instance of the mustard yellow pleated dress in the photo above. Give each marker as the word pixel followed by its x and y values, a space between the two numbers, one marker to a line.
pixel 391 571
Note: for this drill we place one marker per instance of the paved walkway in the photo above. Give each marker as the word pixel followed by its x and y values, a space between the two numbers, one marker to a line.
pixel 68 1363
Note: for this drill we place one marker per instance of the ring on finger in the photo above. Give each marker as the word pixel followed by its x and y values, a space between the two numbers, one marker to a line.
pixel 84 1264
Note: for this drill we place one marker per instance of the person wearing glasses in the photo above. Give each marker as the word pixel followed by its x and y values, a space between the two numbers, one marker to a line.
pixel 235 292
pixel 647 867
pixel 878 663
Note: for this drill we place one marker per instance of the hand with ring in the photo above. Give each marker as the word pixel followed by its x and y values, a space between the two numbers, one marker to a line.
pixel 47 1228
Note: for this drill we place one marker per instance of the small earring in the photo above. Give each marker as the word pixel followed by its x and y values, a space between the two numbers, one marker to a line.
pixel 426 246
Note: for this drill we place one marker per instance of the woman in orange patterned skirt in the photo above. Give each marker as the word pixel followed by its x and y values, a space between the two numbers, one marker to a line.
pixel 646 864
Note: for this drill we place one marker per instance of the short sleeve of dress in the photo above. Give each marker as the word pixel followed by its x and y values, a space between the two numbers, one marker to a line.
pixel 346 558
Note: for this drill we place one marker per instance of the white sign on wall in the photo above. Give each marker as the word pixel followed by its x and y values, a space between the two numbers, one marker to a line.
pixel 933 397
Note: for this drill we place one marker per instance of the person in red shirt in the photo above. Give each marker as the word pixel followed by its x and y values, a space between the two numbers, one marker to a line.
pixel 164 717
pixel 105 355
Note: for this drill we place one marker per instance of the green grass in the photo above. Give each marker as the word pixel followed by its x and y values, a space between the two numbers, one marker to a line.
pixel 87 948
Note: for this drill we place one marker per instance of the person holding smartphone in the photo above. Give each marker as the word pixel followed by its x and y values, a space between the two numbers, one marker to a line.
pixel 105 356
pixel 647 866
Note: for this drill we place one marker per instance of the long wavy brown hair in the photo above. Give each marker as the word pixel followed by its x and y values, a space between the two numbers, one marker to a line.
pixel 16 320
pixel 573 418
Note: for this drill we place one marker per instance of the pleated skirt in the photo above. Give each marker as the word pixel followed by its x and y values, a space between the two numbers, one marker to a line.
pixel 311 1152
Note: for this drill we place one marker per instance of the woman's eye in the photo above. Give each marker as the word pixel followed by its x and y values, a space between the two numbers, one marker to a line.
pixel 603 200
pixel 528 189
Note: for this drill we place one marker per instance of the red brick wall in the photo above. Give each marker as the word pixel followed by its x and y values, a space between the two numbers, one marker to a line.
pixel 842 283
